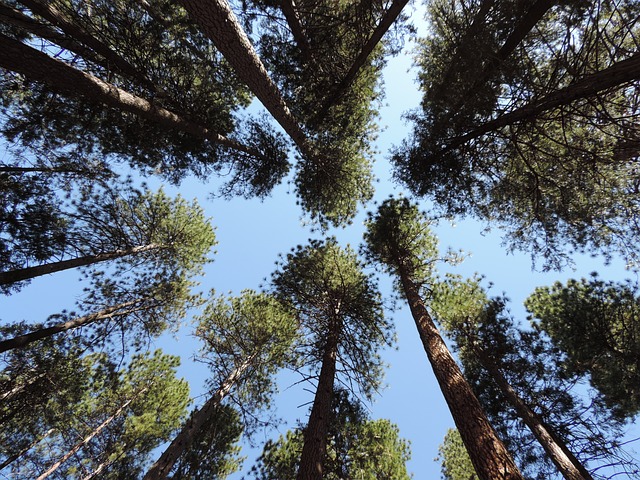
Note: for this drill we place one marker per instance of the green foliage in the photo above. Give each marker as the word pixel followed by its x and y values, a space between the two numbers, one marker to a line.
pixel 454 459
pixel 162 57
pixel 398 237
pixel 358 448
pixel 252 328
pixel 559 181
pixel 596 325
pixel 325 286
pixel 214 453
pixel 155 403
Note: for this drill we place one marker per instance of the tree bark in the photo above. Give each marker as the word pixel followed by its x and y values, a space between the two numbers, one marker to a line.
pixel 488 454
pixel 28 338
pixel 568 465
pixel 37 66
pixel 389 17
pixel 88 438
pixel 18 275
pixel 315 434
pixel 295 25
pixel 184 439
pixel 220 24
pixel 619 73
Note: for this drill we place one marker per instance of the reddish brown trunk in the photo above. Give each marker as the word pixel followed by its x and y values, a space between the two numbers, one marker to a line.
pixel 315 434
pixel 28 338
pixel 161 468
pixel 35 65
pixel 568 465
pixel 220 24
pixel 488 454
pixel 13 276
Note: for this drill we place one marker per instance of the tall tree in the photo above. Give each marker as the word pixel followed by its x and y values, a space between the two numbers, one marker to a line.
pixel 357 447
pixel 247 339
pixel 173 96
pixel 340 313
pixel 527 106
pixel 121 416
pixel 597 325
pixel 398 238
pixel 131 227
pixel 550 420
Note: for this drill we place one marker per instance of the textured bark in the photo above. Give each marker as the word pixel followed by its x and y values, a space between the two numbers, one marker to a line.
pixel 568 465
pixel 37 66
pixel 89 437
pixel 618 74
pixel 220 24
pixel 183 440
pixel 390 16
pixel 488 454
pixel 105 314
pixel 315 434
pixel 18 275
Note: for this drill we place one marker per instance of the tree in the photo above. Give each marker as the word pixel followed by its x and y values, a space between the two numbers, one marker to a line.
pixel 595 324
pixel 527 106
pixel 172 94
pixel 550 422
pixel 357 447
pixel 247 340
pixel 121 416
pixel 398 238
pixel 340 314
pixel 454 459
pixel 133 228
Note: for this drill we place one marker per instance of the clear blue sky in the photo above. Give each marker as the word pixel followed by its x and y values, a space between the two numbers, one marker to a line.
pixel 251 234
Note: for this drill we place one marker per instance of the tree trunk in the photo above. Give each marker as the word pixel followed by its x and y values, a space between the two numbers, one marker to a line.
pixel 57 18
pixel 88 438
pixel 220 24
pixel 315 434
pixel 9 460
pixel 28 338
pixel 390 16
pixel 35 65
pixel 297 30
pixel 183 440
pixel 568 465
pixel 18 275
pixel 487 452
pixel 619 73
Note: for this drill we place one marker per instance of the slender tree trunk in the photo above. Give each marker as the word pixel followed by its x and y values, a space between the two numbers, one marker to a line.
pixel 7 396
pixel 89 437
pixel 76 31
pixel 161 468
pixel 28 338
pixel 488 454
pixel 13 276
pixel 297 30
pixel 220 24
pixel 9 460
pixel 315 434
pixel 618 74
pixel 35 65
pixel 568 465
pixel 389 17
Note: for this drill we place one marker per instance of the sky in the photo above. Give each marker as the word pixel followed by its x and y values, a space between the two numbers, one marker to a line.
pixel 252 233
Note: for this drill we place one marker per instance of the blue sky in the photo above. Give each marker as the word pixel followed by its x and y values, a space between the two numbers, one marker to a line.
pixel 251 234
